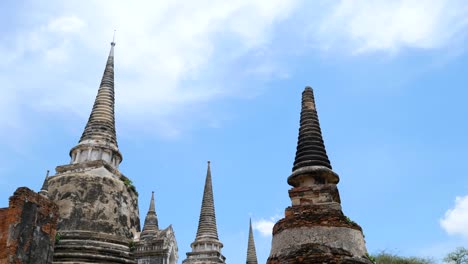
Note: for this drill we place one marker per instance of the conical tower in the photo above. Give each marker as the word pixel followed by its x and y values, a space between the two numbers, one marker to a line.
pixel 98 206
pixel 206 248
pixel 151 221
pixel 99 141
pixel 155 245
pixel 315 221
pixel 251 252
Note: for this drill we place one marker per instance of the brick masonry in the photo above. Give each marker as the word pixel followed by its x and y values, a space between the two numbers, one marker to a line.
pixel 28 228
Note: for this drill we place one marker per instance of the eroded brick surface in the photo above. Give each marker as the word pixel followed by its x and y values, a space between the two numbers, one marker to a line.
pixel 27 228
pixel 318 253
pixel 313 215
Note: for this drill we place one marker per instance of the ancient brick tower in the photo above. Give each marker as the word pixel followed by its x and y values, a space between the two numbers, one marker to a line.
pixel 314 229
pixel 98 207
pixel 251 252
pixel 206 249
pixel 155 246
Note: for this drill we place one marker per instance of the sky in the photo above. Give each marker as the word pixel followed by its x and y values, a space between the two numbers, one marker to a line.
pixel 222 81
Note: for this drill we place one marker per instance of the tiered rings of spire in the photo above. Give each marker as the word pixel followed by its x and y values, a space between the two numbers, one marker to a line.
pixel 310 147
pixel 251 252
pixel 311 156
pixel 99 140
pixel 207 221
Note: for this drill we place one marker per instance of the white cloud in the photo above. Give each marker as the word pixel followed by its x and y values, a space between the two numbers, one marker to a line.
pixel 265 226
pixel 455 220
pixel 161 46
pixel 66 24
pixel 369 26
pixel 177 55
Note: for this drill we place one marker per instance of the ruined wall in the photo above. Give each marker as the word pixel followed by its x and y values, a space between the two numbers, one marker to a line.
pixel 317 232
pixel 27 228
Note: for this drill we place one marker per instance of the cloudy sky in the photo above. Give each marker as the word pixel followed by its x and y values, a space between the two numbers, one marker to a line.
pixel 221 81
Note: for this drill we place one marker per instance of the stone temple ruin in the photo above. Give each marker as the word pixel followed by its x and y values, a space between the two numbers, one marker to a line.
pixel 314 229
pixel 88 211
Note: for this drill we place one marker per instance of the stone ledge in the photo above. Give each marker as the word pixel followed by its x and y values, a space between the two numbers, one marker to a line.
pixel 89 165
pixel 89 258
pixel 93 236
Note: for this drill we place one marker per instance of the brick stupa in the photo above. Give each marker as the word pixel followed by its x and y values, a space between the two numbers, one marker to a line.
pixel 314 229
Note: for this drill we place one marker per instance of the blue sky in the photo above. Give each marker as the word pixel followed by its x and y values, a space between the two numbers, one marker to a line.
pixel 222 82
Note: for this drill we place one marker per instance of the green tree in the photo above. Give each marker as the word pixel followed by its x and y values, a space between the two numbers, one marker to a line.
pixel 458 256
pixel 387 258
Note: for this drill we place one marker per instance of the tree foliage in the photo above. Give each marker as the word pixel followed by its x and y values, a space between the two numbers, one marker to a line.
pixel 387 258
pixel 458 256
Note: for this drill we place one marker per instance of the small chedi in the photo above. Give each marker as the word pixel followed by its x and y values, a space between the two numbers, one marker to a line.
pixel 155 246
pixel 206 249
pixel 314 229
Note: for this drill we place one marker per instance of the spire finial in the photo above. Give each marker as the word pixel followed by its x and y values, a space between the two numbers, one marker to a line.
pixel 152 207
pixel 151 220
pixel 45 185
pixel 113 39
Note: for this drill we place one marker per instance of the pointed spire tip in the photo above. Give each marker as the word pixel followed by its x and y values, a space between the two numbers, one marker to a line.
pixel 251 251
pixel 207 221
pixel 151 220
pixel 113 40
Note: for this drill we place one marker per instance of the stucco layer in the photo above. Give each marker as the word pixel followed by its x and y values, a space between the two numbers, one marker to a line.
pixel 98 211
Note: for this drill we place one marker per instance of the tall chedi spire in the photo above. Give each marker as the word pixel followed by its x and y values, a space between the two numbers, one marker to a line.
pixel 251 252
pixel 315 221
pixel 98 205
pixel 207 221
pixel 99 140
pixel 206 248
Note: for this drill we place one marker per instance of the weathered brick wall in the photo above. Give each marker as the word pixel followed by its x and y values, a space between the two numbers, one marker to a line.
pixel 27 228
